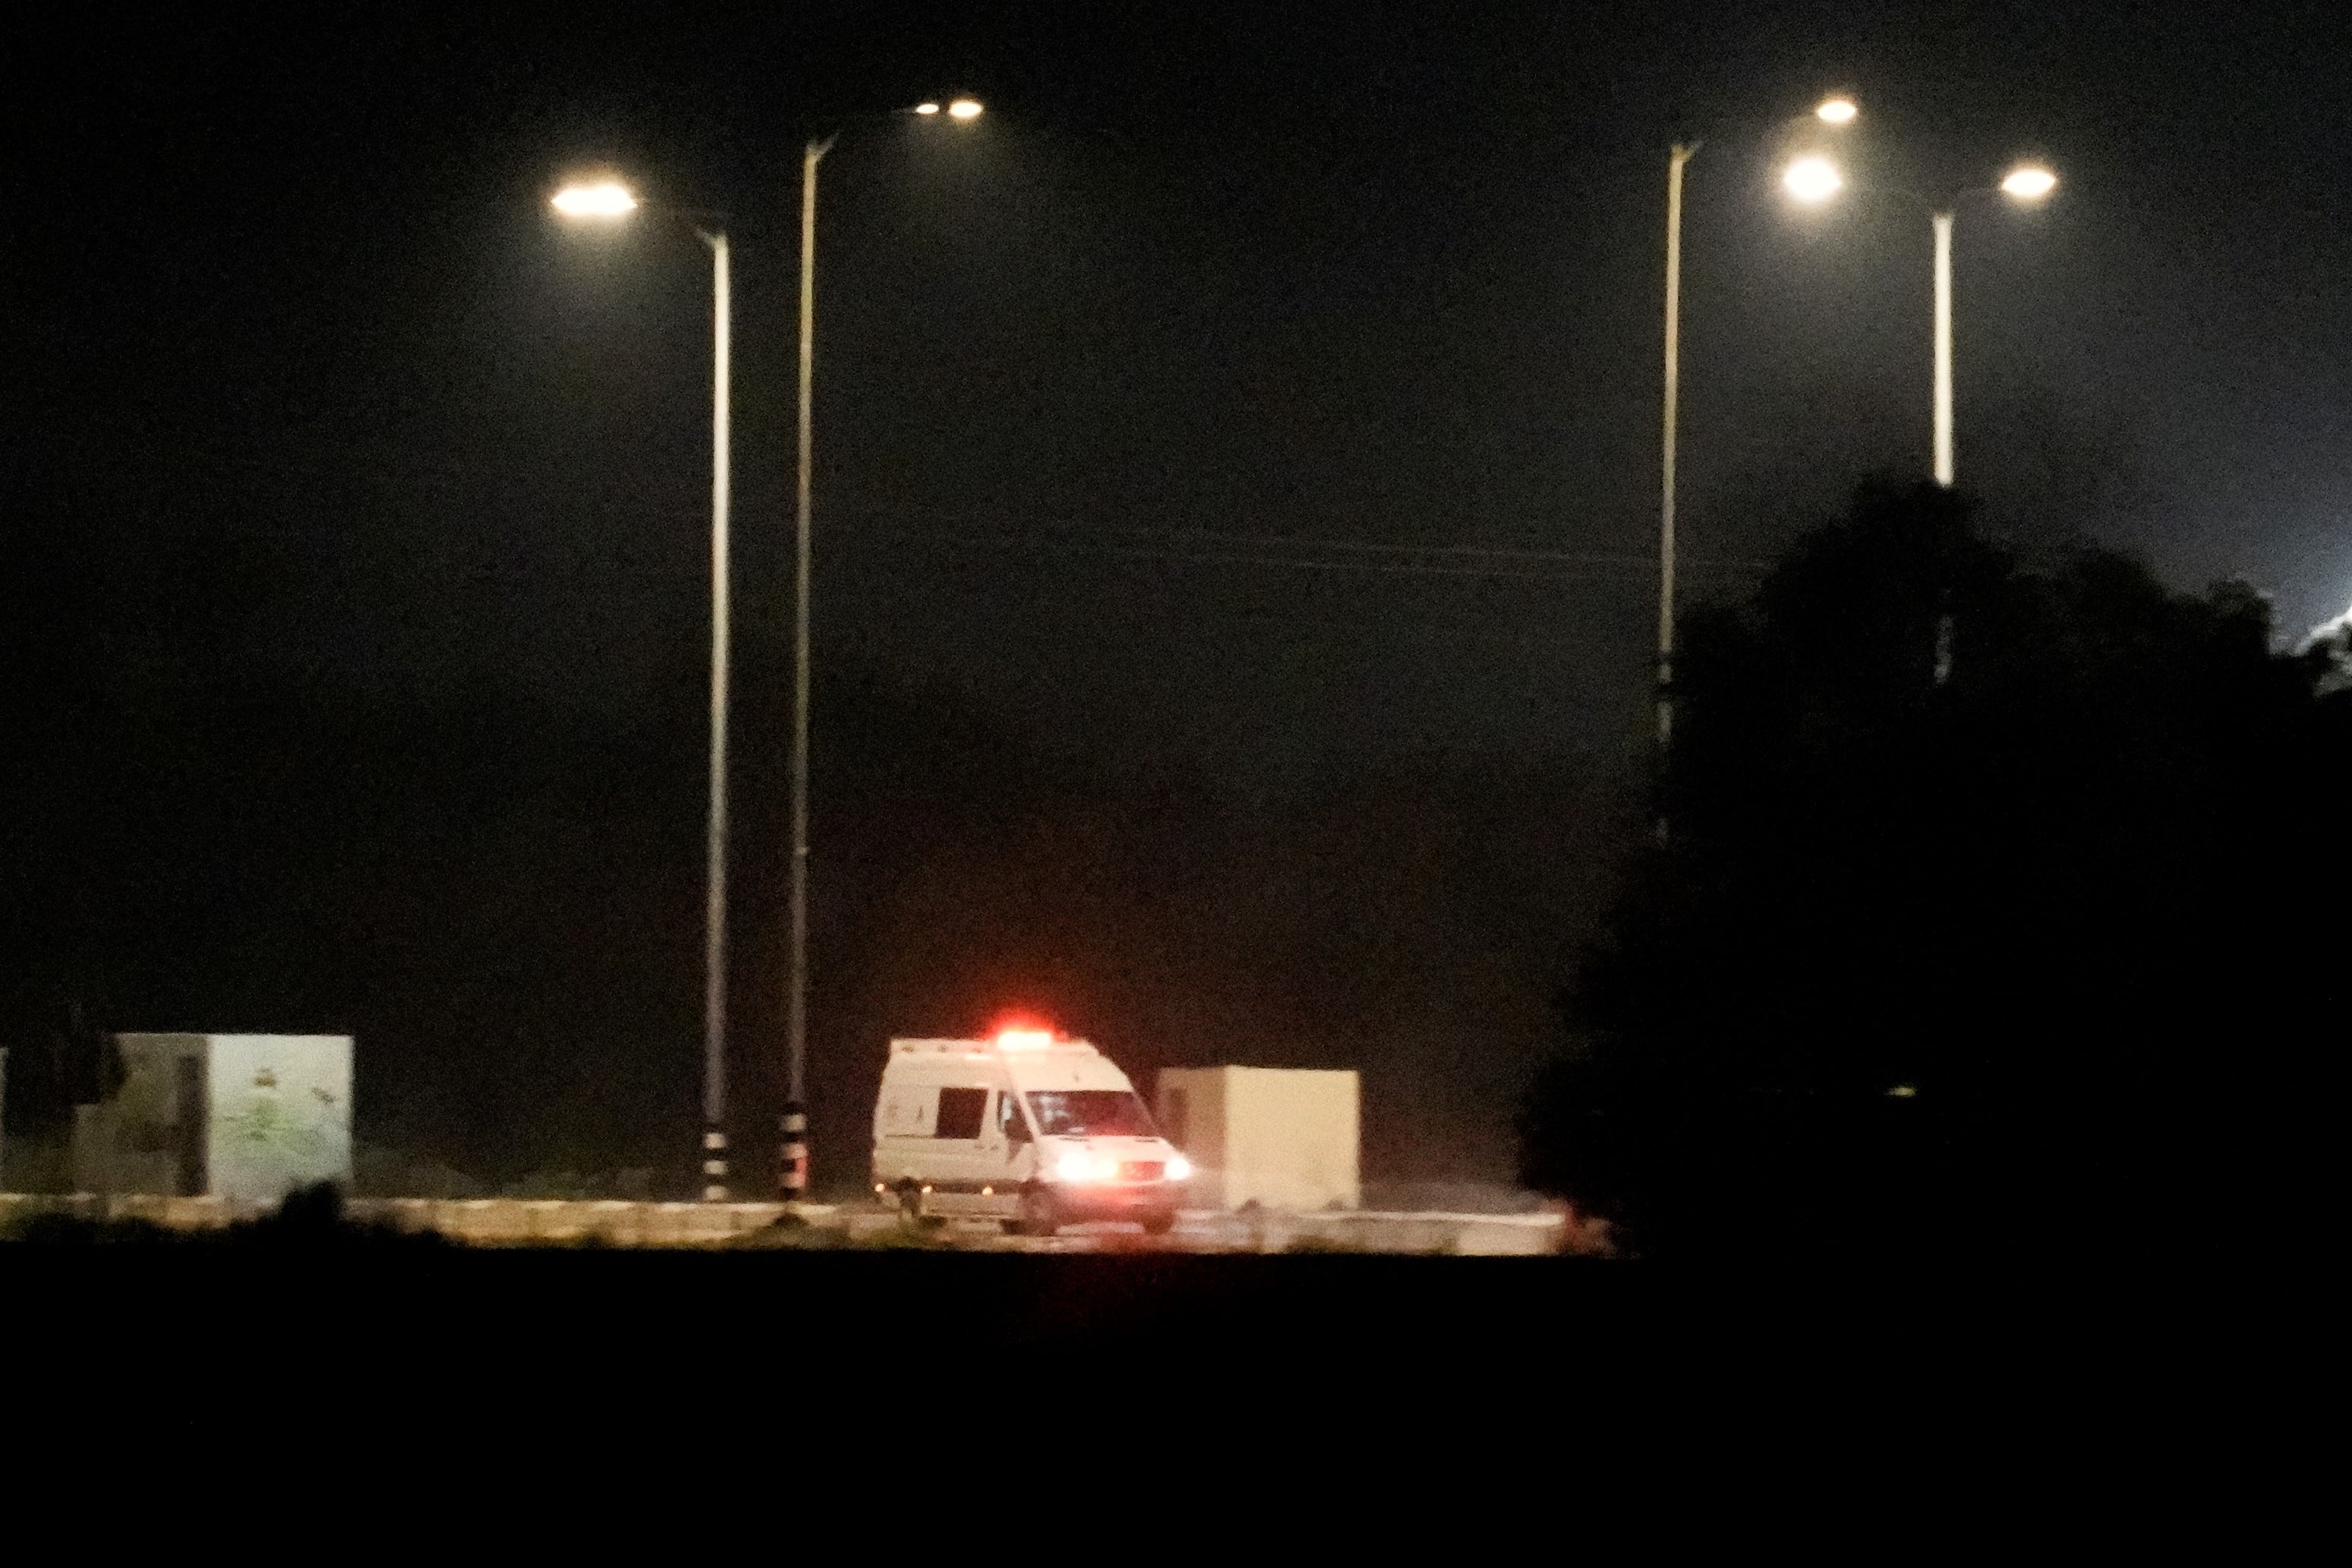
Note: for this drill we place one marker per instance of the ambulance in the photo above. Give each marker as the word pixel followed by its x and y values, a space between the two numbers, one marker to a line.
pixel 1023 1128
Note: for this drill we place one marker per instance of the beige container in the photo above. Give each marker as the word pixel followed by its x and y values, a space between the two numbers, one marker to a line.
pixel 1280 1138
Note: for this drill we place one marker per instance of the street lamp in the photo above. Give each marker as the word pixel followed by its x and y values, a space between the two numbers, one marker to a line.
pixel 2028 183
pixel 792 1155
pixel 610 201
pixel 1815 180
pixel 605 199
pixel 1836 111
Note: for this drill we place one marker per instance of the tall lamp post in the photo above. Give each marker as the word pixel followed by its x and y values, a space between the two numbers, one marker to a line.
pixel 1816 179
pixel 792 1150
pixel 611 201
pixel 1680 155
pixel 1833 112
pixel 2026 182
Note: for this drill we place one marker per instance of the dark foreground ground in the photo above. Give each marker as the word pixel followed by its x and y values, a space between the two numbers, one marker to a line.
pixel 468 1351
pixel 1442 1408
pixel 616 1309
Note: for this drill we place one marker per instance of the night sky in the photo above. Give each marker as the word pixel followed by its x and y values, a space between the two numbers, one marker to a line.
pixel 1261 394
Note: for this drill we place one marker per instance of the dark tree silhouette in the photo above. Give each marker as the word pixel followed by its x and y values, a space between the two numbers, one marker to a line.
pixel 1990 911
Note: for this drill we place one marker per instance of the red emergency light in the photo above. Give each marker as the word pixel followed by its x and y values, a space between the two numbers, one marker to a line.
pixel 1018 1028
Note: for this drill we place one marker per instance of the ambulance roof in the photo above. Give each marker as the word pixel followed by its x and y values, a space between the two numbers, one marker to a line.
pixel 1030 1060
pixel 1012 1044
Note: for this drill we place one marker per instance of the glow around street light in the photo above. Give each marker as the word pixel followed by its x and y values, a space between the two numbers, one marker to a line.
pixel 1813 180
pixel 605 199
pixel 2028 183
pixel 1837 110
pixel 964 108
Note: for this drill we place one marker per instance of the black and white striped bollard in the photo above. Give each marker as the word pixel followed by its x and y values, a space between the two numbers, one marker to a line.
pixel 714 1166
pixel 792 1156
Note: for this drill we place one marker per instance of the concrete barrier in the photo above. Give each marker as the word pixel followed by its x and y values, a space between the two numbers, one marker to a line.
pixel 480 1221
pixel 557 1222
pixel 527 1222
pixel 1377 1231
pixel 170 1213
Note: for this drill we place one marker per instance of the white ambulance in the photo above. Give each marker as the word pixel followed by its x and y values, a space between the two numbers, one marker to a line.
pixel 1023 1128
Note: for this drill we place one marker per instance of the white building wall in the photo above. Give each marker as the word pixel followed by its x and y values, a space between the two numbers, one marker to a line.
pixel 1280 1138
pixel 281 1114
pixel 243 1118
pixel 1190 1106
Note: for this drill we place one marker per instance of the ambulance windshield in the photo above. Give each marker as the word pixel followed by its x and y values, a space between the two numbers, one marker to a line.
pixel 1090 1113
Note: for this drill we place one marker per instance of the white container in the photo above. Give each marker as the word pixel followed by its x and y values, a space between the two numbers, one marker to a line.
pixel 246 1118
pixel 1279 1137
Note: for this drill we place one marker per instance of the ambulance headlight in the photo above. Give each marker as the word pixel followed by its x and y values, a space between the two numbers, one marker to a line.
pixel 1076 1164
pixel 1179 1168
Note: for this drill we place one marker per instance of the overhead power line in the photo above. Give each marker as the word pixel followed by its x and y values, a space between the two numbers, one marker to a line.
pixel 1283 552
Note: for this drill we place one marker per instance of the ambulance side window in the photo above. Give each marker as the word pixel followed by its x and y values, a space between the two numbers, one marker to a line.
pixel 1008 1119
pixel 959 1112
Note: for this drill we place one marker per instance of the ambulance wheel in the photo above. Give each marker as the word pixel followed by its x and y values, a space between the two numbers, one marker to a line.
pixel 1039 1215
pixel 1159 1224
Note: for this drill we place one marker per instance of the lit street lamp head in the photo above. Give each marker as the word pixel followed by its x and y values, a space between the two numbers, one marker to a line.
pixel 1837 110
pixel 964 108
pixel 1813 180
pixel 605 199
pixel 2028 183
